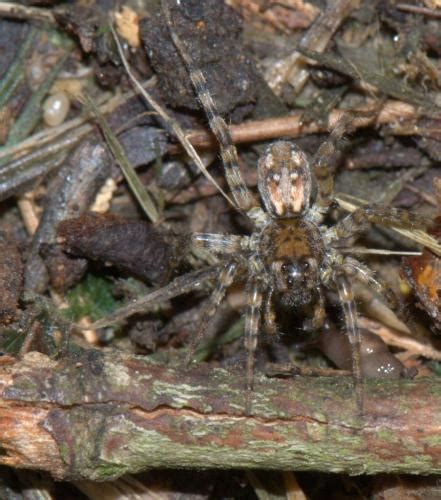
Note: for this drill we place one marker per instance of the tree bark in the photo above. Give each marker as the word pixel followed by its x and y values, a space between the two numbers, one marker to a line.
pixel 103 414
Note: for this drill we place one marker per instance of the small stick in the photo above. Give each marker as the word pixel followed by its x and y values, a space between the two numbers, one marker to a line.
pixel 11 9
pixel 416 9
pixel 397 339
pixel 292 69
pixel 294 125
pixel 422 194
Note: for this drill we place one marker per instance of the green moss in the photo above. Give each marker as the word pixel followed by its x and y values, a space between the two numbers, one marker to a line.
pixel 92 298
pixel 435 366
pixel 107 472
pixel 385 435
pixel 64 452
pixel 11 341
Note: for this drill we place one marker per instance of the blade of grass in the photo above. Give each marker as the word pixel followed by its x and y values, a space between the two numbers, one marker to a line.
pixel 127 169
pixel 14 74
pixel 32 112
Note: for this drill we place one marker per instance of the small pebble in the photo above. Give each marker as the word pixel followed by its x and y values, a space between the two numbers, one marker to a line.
pixel 55 109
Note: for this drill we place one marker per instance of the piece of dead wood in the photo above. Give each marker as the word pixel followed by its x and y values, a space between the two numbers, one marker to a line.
pixel 103 414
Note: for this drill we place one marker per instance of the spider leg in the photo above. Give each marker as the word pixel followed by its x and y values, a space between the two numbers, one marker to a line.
pixel 269 315
pixel 242 195
pixel 320 162
pixel 252 321
pixel 350 312
pixel 355 268
pixel 360 220
pixel 318 315
pixel 226 278
pixel 179 286
pixel 221 243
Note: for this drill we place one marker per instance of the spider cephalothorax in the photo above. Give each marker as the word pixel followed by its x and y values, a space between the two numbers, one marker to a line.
pixel 284 180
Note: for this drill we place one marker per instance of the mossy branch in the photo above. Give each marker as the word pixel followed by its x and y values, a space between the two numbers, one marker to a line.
pixel 100 415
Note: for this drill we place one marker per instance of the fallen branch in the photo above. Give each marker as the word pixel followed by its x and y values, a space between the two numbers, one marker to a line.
pixel 100 415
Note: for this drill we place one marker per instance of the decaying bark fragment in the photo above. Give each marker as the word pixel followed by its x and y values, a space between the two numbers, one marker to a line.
pixel 424 276
pixel 11 279
pixel 99 415
pixel 132 245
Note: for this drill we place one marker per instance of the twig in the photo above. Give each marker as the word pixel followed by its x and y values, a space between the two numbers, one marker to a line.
pixel 417 9
pixel 101 415
pixel 70 193
pixel 431 200
pixel 10 9
pixel 401 340
pixel 13 180
pixel 294 125
pixel 377 251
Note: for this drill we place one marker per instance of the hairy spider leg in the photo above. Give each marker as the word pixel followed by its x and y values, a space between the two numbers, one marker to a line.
pixel 226 278
pixel 269 315
pixel 220 243
pixel 320 162
pixel 243 197
pixel 179 286
pixel 318 315
pixel 346 295
pixel 255 291
pixel 360 220
pixel 354 268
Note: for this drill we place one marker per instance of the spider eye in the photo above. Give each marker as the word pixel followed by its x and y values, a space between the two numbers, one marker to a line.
pixel 284 267
pixel 306 265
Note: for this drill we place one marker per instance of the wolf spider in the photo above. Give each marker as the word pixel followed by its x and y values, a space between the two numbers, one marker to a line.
pixel 291 256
